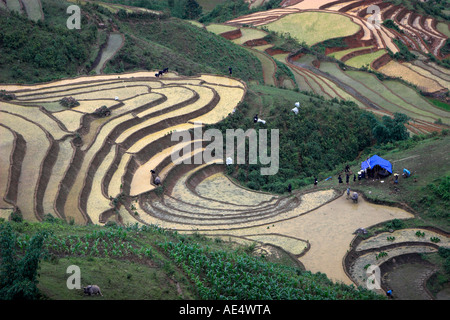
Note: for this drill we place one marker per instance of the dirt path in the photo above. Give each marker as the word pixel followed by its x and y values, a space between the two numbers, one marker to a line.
pixel 115 42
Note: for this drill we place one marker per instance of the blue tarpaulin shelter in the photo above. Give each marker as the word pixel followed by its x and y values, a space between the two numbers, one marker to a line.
pixel 376 160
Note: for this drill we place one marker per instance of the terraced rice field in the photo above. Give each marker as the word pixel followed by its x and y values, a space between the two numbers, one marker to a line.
pixel 339 54
pixel 365 59
pixel 269 66
pixel 218 28
pixel 249 34
pixel 65 156
pixel 314 27
pixel 396 69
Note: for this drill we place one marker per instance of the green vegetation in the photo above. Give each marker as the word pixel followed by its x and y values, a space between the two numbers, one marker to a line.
pixel 434 8
pixel 18 275
pixel 148 262
pixel 236 275
pixel 425 192
pixel 53 52
pixel 41 51
pixel 440 104
pixel 234 8
pixel 323 135
pixel 314 27
pixel 364 59
pixel 404 54
pixel 329 43
pixel 182 47
pixel 392 25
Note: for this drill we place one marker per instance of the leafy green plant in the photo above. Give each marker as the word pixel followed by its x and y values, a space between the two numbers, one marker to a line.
pixel 435 239
pixel 420 234
pixel 381 255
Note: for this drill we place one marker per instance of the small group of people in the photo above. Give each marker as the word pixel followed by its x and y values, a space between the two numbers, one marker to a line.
pixel 406 174
pixel 348 173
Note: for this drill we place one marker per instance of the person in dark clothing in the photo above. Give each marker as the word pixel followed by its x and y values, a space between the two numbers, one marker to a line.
pixel 231 70
pixel 347 178
pixel 315 182
pixel 354 177
pixel 340 179
pixel 255 118
pixel 289 188
pixel 347 168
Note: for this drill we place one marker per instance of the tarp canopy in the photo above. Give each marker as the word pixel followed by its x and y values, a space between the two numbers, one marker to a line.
pixel 376 160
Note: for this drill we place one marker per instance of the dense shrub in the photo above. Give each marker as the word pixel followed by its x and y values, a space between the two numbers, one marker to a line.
pixel 18 277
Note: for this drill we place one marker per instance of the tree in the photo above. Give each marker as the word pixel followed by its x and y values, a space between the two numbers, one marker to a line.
pixel 192 9
pixel 18 277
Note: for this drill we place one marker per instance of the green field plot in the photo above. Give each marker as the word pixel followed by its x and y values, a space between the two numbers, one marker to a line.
pixel 249 34
pixel 364 59
pixel 269 66
pixel 396 103
pixel 196 23
pixel 314 27
pixel 414 98
pixel 115 41
pixel 218 28
pixel 339 54
pixel 443 28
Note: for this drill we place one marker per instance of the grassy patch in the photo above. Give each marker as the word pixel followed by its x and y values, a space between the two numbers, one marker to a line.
pixel 364 59
pixel 440 104
pixel 339 54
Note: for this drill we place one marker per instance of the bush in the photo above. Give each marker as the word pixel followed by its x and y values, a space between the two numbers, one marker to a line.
pixel 18 278
pixel 69 102
pixel 16 216
pixel 395 224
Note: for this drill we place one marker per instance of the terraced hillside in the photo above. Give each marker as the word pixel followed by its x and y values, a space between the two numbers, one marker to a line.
pixel 68 162
pixel 417 32
pixel 365 46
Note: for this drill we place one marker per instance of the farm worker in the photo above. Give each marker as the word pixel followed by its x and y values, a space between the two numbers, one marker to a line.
pixel 355 197
pixel 229 161
pixel 315 182
pixel 406 173
pixel 347 178
pixel 116 98
pixel 289 188
pixel 348 193
pixel 389 293
pixel 295 110
pixel 297 104
pixel 396 178
pixel 340 179
pixel 231 70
